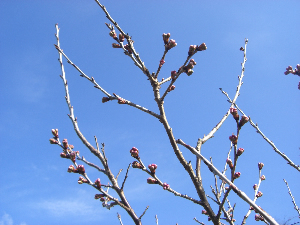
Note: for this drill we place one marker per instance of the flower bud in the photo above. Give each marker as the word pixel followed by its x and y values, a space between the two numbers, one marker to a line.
pixel 105 99
pixel 82 180
pixel 234 113
pixel 97 183
pixel 134 152
pixel 151 180
pixel 190 72
pixel 152 167
pixel 113 34
pixel 204 212
pixel 173 74
pixel 73 156
pixel 55 132
pixel 136 164
pixel 161 62
pixel 260 165
pixel 243 120
pixel 128 49
pixel 52 141
pixel 171 44
pixel 192 49
pixel 236 175
pixel 72 169
pixel 115 45
pixel 64 155
pixel 255 187
pixel 80 169
pixel 166 37
pixel 65 143
pixel 240 151
pixel 121 37
pixel 258 217
pixel 165 186
pixel 233 139
pixel 97 196
pixel 121 101
pixel 263 177
pixel 171 88
pixel 259 194
pixel 229 162
pixel 201 47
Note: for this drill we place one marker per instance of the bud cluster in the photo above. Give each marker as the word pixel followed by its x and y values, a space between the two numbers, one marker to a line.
pixel 236 175
pixel 168 44
pixel 296 71
pixel 136 164
pixel 54 140
pixel 236 116
pixel 166 186
pixel 152 167
pixel 80 169
pixel 82 180
pixel 188 68
pixel 233 138
pixel 134 152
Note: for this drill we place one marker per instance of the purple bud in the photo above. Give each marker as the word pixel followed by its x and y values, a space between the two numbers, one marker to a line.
pixel 243 120
pixel 98 183
pixel 134 152
pixel 80 169
pixel 240 151
pixel 151 180
pixel 236 175
pixel 166 186
pixel 152 167
pixel 233 139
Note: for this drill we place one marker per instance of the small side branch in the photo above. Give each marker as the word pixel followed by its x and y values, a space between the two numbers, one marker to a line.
pixel 90 164
pixel 119 217
pixel 293 199
pixel 144 212
pixel 125 177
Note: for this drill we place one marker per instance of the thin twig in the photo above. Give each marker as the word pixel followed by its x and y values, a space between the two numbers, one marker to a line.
pixel 156 219
pixel 90 164
pixel 199 221
pixel 293 199
pixel 122 187
pixel 144 212
pixel 119 217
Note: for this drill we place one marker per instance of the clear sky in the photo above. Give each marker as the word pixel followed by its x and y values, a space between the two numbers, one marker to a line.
pixel 35 187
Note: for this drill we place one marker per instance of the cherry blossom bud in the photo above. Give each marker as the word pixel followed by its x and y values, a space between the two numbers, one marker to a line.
pixel 171 44
pixel 190 72
pixel 201 47
pixel 243 120
pixel 171 88
pixel 55 132
pixel 105 99
pixel 229 162
pixel 80 169
pixel 52 141
pixel 72 169
pixel 97 183
pixel 166 37
pixel 192 49
pixel 102 199
pixel 97 196
pixel 115 45
pixel 65 143
pixel 161 62
pixel 255 187
pixel 121 37
pixel 234 113
pixel 236 175
pixel 64 155
pixel 71 146
pixel 263 177
pixel 73 156
pixel 258 217
pixel 121 101
pixel 240 151
pixel 289 69
pixel 204 212
pixel 136 164
pixel 242 49
pixel 82 180
pixel 128 49
pixel 165 186
pixel 259 194
pixel 151 180
pixel 113 34
pixel 152 167
pixel 260 165
pixel 233 139
pixel 134 152
pixel 173 74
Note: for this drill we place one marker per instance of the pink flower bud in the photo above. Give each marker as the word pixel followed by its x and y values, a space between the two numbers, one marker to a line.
pixel 260 165
pixel 52 141
pixel 64 155
pixel 259 194
pixel 115 45
pixel 240 151
pixel 171 88
pixel 97 183
pixel 80 169
pixel 229 162
pixel 151 180
pixel 121 101
pixel 73 156
pixel 236 175
pixel 263 177
pixel 171 44
pixel 105 99
pixel 113 34
pixel 234 113
pixel 121 37
pixel 55 132
pixel 204 212
pixel 192 49
pixel 258 217
pixel 65 143
pixel 190 72
pixel 152 167
pixel 201 47
pixel 233 139
pixel 82 180
pixel 255 187
pixel 136 164
pixel 173 74
pixel 134 152
pixel 243 120
pixel 165 186
pixel 72 169
pixel 161 62
pixel 71 146
pixel 166 37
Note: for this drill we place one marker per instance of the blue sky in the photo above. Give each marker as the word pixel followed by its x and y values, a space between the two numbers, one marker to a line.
pixel 35 187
